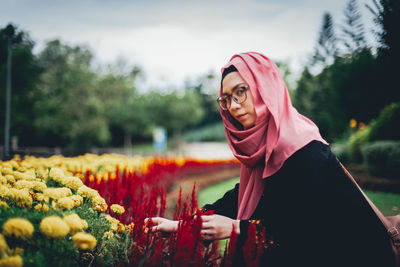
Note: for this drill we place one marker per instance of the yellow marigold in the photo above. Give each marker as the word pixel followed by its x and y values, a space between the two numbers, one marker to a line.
pixel 108 235
pixel 130 226
pixel 10 178
pixel 18 227
pixel 21 169
pixel 13 163
pixel 6 165
pixel 13 261
pixel 3 244
pixel 26 203
pixel 56 193
pixel 21 184
pixel 65 203
pixel 3 204
pixel 75 223
pixel 99 204
pixel 88 192
pixel 3 179
pixel 23 176
pixel 15 251
pixel 117 208
pixel 84 241
pixel 19 194
pixel 42 208
pixel 54 226
pixel 77 199
pixel 4 192
pixel 40 197
pixel 72 182
pixel 6 171
pixel 353 123
pixel 56 174
pixel 114 223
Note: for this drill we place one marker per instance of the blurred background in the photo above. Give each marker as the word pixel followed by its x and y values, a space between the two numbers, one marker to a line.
pixel 142 77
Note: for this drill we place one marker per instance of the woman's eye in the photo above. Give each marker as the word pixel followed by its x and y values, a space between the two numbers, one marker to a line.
pixel 240 91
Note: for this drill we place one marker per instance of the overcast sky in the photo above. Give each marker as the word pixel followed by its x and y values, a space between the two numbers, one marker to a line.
pixel 173 40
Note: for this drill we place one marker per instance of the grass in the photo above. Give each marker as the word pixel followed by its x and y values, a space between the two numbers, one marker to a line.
pixel 387 203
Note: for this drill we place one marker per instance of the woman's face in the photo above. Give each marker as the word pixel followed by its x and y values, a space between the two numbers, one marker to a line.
pixel 245 112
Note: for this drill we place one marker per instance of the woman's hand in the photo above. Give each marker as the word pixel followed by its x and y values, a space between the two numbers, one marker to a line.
pixel 162 224
pixel 218 227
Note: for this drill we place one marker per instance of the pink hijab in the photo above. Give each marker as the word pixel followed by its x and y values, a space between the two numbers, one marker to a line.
pixel 279 130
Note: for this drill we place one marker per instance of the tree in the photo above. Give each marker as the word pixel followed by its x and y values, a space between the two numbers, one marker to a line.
pixel 68 111
pixel 25 74
pixel 387 18
pixel 353 30
pixel 173 111
pixel 325 51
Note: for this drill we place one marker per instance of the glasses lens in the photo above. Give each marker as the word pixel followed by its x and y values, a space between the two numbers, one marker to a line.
pixel 240 94
pixel 222 103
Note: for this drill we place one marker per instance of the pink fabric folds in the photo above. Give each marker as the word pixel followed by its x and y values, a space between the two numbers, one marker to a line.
pixel 279 130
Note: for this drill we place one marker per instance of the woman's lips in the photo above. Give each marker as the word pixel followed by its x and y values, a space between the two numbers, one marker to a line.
pixel 241 115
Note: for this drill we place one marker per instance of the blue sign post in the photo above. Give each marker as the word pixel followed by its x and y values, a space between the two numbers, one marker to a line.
pixel 160 139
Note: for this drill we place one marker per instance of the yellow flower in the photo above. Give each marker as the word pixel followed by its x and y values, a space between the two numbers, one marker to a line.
pixel 7 165
pixel 14 261
pixel 84 241
pixel 54 226
pixel 65 203
pixel 3 204
pixel 6 171
pixel 88 192
pixel 75 223
pixel 40 197
pixel 18 227
pixel 42 207
pixel 56 192
pixel 36 185
pixel 99 204
pixel 117 208
pixel 77 199
pixel 3 244
pixel 72 182
pixel 3 179
pixel 56 174
pixel 108 235
pixel 15 251
pixel 353 123
pixel 23 176
pixel 19 194
pixel 10 178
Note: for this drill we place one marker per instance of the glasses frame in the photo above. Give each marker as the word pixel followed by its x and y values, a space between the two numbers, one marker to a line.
pixel 222 98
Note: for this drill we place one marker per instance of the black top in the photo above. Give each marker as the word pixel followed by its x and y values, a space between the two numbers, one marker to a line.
pixel 315 213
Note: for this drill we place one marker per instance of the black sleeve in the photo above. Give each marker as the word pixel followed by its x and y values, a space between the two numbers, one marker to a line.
pixel 227 205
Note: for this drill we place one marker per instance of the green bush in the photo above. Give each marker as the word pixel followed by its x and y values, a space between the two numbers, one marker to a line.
pixel 340 149
pixel 383 158
pixel 386 126
pixel 356 142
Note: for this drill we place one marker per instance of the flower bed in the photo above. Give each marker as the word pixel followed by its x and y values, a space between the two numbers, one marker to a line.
pixel 90 210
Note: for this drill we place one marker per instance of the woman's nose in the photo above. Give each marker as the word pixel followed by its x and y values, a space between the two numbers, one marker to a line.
pixel 234 105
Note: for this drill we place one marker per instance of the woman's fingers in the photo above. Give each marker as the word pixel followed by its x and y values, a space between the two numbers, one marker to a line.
pixel 207 218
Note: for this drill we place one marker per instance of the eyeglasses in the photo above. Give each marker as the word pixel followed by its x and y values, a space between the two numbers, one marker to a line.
pixel 238 95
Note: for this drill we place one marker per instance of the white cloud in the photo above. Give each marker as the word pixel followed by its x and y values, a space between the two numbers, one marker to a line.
pixel 173 40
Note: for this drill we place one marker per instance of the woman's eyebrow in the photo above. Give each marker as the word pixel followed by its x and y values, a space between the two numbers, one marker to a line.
pixel 234 88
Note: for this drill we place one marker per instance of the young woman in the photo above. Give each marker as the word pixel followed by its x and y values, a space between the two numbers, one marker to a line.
pixel 289 180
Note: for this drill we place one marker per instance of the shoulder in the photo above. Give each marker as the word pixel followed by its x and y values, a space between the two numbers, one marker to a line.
pixel 314 154
pixel 310 164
